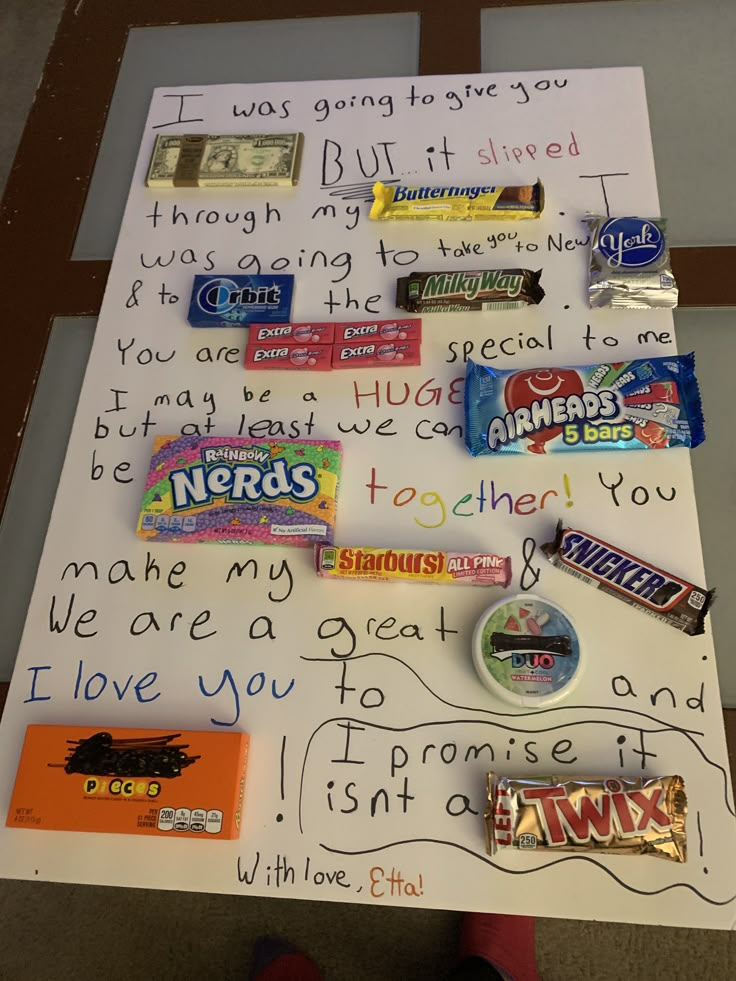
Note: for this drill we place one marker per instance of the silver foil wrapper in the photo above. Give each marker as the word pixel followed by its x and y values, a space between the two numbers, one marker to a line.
pixel 620 815
pixel 630 263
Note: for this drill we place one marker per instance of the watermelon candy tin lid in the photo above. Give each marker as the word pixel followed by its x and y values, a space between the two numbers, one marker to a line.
pixel 526 651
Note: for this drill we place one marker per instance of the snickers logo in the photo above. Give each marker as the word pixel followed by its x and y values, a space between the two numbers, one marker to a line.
pixel 645 584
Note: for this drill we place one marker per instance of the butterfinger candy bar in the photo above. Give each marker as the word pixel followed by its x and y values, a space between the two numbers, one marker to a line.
pixel 292 333
pixel 638 583
pixel 376 354
pixel 383 330
pixel 457 203
pixel 130 781
pixel 387 564
pixel 449 292
pixel 621 815
pixel 288 357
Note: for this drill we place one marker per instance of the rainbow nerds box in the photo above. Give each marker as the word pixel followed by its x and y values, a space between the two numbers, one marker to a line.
pixel 241 491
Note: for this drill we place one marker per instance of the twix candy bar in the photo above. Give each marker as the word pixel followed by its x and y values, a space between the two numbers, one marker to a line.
pixel 387 564
pixel 622 815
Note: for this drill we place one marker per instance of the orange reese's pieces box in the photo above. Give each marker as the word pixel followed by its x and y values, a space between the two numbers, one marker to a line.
pixel 130 781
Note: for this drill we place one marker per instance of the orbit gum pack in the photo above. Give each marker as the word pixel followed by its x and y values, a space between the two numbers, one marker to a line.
pixel 131 781
pixel 240 491
pixel 646 404
pixel 236 300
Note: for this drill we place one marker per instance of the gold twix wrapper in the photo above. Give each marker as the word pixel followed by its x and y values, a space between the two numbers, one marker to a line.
pixel 625 815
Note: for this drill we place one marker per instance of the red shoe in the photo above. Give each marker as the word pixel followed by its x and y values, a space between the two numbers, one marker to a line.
pixel 506 942
pixel 277 960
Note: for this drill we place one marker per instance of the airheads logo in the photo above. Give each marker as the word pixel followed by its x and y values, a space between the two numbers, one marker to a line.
pixel 630 243
pixel 541 402
pixel 241 474
pixel 620 570
pixel 219 296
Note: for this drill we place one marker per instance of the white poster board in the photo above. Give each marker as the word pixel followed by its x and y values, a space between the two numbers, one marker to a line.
pixel 371 734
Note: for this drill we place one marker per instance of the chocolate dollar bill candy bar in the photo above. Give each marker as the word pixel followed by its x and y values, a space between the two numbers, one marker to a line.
pixel 638 583
pixel 457 203
pixel 487 289
pixel 630 263
pixel 621 815
pixel 240 160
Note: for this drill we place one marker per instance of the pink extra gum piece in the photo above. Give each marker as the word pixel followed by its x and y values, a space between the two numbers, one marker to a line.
pixel 409 329
pixel 284 357
pixel 292 334
pixel 376 354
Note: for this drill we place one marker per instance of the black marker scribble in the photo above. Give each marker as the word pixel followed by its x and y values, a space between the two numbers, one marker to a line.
pixel 600 177
pixel 508 728
pixel 540 868
pixel 529 574
pixel 700 833
pixel 102 756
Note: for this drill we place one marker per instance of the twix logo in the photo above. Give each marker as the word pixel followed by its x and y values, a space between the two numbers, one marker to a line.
pixel 612 812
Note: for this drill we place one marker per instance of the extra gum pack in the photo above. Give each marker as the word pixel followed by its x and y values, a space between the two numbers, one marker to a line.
pixel 279 356
pixel 362 353
pixel 292 334
pixel 239 491
pixel 131 781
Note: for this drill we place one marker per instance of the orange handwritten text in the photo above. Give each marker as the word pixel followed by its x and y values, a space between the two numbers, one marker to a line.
pixel 394 885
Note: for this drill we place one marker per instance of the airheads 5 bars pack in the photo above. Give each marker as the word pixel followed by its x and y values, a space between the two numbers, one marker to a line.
pixel 230 301
pixel 240 491
pixel 131 781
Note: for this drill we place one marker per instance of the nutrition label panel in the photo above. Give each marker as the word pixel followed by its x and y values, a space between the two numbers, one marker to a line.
pixel 376 710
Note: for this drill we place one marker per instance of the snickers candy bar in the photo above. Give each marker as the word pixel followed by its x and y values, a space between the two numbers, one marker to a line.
pixel 621 815
pixel 638 583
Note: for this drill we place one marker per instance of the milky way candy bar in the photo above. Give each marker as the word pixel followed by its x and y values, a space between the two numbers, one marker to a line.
pixel 478 289
pixel 636 582
pixel 621 815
